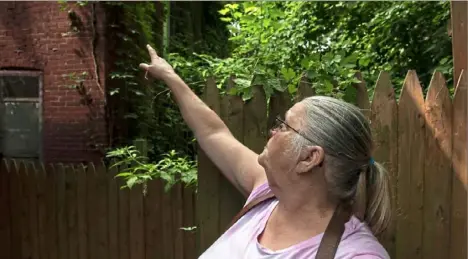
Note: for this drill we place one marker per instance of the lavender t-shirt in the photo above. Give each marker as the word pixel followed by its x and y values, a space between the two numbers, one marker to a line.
pixel 241 240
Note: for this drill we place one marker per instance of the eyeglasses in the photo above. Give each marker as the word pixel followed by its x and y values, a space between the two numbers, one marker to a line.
pixel 280 123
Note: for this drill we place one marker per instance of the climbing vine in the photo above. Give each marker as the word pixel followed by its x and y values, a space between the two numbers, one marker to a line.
pixel 273 44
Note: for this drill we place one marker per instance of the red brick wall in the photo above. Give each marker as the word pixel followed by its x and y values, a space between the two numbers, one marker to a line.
pixel 36 36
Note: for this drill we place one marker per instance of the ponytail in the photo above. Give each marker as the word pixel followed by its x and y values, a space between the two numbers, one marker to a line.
pixel 373 198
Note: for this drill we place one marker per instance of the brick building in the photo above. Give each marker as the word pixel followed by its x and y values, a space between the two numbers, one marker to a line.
pixel 52 81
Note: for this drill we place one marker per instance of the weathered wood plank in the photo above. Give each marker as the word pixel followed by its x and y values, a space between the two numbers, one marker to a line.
pixel 61 206
pixel 208 180
pixel 112 211
pixel 189 221
pixel 177 205
pixel 42 213
pixel 411 136
pixel 5 222
pixel 26 245
pixel 137 232
pixel 230 199
pixel 82 209
pixel 280 102
pixel 15 195
pixel 101 211
pixel 362 97
pixel 384 125
pixel 31 190
pixel 438 169
pixel 72 213
pixel 255 121
pixel 51 205
pixel 153 219
pixel 124 220
pixel 167 229
pixel 92 211
pixel 305 89
pixel 458 232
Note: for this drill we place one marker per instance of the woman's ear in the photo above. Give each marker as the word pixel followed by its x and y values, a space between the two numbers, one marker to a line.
pixel 310 157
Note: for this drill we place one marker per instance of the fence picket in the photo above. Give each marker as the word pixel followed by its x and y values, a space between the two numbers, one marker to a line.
pixel 189 221
pixel 92 215
pixel 305 89
pixel 208 182
pixel 82 207
pixel 5 223
pixel 42 212
pixel 438 169
pixel 112 210
pixel 31 190
pixel 124 221
pixel 255 121
pixel 71 203
pixel 280 102
pixel 384 125
pixel 26 246
pixel 153 227
pixel 231 200
pixel 77 212
pixel 15 210
pixel 100 212
pixel 362 97
pixel 167 230
pixel 411 135
pixel 51 205
pixel 62 237
pixel 458 233
pixel 178 221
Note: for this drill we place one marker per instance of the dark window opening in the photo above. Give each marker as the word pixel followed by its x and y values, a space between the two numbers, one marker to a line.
pixel 20 116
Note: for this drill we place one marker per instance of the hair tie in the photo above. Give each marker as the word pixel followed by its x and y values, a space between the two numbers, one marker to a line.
pixel 371 161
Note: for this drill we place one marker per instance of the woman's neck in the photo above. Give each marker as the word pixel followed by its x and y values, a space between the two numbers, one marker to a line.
pixel 302 213
pixel 304 203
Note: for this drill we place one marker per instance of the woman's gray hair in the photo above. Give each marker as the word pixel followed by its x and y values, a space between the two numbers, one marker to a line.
pixel 344 133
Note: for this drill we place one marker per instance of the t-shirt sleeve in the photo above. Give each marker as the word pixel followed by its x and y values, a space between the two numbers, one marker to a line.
pixel 261 190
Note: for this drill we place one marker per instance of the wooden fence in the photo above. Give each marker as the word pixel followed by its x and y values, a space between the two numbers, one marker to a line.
pixel 67 212
pixel 78 212
pixel 422 142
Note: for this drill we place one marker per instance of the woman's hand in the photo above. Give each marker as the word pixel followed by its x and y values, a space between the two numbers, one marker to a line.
pixel 158 68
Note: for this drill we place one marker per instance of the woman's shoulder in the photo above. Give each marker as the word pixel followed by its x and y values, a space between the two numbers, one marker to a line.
pixel 261 190
pixel 359 241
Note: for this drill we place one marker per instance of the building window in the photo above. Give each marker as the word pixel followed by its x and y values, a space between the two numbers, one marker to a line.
pixel 20 114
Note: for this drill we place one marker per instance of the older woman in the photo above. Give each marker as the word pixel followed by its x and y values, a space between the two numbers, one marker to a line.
pixel 317 162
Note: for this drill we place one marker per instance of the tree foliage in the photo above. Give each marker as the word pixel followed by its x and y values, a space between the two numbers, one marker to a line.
pixel 272 44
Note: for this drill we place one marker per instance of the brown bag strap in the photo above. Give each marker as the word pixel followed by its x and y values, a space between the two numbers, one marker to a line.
pixel 332 236
pixel 333 232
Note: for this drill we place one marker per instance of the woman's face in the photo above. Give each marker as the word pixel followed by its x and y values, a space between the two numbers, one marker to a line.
pixel 278 157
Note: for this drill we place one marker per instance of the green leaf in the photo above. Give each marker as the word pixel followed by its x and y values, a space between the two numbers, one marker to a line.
pixel 131 181
pixel 292 88
pixel 242 83
pixel 124 174
pixel 247 94
pixel 288 73
pixel 328 86
pixel 224 11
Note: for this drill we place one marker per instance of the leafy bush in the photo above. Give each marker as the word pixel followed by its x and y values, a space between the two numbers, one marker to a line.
pixel 135 168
